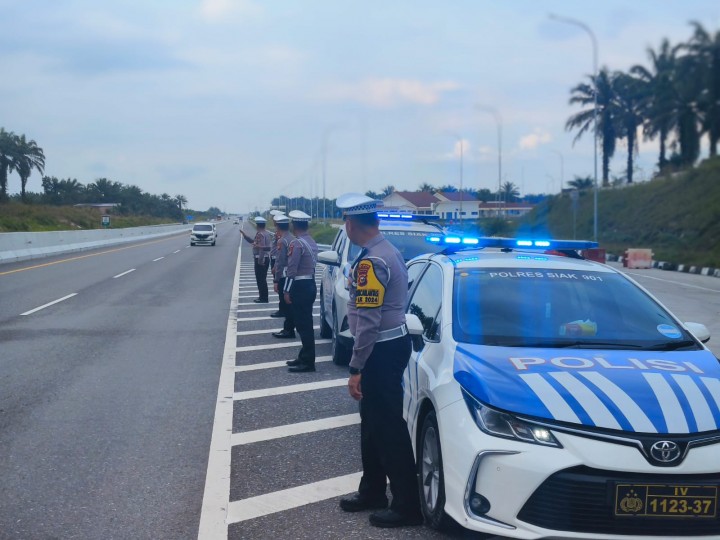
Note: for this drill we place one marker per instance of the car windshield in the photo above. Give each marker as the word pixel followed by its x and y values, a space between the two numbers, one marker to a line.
pixel 410 244
pixel 203 228
pixel 536 307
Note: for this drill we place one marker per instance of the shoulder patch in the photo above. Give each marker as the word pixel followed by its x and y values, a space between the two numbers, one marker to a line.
pixel 370 292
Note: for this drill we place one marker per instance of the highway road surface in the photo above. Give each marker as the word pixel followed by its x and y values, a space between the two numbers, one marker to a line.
pixel 142 396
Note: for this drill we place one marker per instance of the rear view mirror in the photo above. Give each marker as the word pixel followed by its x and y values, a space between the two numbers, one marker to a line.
pixel 415 327
pixel 698 330
pixel 329 257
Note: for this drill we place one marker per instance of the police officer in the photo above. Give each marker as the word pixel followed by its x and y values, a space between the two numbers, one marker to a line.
pixel 276 215
pixel 300 290
pixel 261 245
pixel 378 287
pixel 285 237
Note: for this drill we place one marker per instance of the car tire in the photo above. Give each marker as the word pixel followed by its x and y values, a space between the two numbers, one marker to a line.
pixel 192 243
pixel 325 329
pixel 431 478
pixel 340 354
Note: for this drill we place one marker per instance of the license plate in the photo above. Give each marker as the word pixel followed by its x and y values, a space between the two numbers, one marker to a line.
pixel 658 500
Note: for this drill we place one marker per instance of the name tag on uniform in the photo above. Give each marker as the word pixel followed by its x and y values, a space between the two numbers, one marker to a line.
pixel 370 292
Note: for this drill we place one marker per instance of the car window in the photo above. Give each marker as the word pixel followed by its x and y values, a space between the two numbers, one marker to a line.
pixel 203 228
pixel 414 271
pixel 410 244
pixel 337 240
pixel 541 307
pixel 426 299
pixel 353 252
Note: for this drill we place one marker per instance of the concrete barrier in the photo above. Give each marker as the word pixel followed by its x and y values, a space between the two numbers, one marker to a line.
pixel 694 270
pixel 707 271
pixel 639 258
pixel 20 246
pixel 683 268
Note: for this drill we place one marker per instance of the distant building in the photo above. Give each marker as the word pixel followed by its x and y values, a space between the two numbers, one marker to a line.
pixel 453 205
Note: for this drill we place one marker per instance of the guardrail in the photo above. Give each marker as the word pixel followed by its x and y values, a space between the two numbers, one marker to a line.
pixel 20 246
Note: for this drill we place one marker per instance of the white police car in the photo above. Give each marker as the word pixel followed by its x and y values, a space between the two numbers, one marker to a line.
pixel 550 396
pixel 407 232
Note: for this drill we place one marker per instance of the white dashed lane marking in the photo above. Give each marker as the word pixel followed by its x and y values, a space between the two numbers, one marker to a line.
pixel 290 389
pixel 248 348
pixel 278 432
pixel 48 304
pixel 287 499
pixel 158 259
pixel 266 331
pixel 265 318
pixel 274 364
pixel 124 273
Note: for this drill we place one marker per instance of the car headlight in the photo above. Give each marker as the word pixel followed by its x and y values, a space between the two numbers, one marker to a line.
pixel 500 424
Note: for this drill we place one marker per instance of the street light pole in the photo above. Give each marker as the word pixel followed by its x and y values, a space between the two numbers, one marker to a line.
pixel 498 120
pixel 562 168
pixel 587 29
pixel 460 141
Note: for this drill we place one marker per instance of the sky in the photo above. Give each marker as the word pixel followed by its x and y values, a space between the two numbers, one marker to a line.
pixel 233 102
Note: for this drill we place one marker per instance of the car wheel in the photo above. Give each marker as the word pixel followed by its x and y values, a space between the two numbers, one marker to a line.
pixel 431 480
pixel 325 329
pixel 192 243
pixel 340 354
pixel 213 242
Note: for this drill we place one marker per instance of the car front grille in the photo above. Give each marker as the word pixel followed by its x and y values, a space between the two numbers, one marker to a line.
pixel 581 499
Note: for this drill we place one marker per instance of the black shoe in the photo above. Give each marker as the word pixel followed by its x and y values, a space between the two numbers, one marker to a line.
pixel 358 503
pixel 260 301
pixel 295 362
pixel 390 518
pixel 284 334
pixel 276 314
pixel 302 368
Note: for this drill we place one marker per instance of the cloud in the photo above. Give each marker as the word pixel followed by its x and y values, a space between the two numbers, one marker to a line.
pixel 219 10
pixel 384 93
pixel 535 139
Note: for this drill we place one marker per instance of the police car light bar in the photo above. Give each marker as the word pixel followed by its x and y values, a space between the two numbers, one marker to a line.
pixel 509 243
pixel 396 214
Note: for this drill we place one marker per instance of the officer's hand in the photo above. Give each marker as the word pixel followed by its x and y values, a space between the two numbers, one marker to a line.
pixel 287 298
pixel 354 387
pixel 275 287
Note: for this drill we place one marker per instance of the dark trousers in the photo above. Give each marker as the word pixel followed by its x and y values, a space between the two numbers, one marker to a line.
pixel 303 294
pixel 261 271
pixel 384 438
pixel 285 309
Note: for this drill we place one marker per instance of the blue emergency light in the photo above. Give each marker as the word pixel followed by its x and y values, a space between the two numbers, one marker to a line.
pixel 454 241
pixel 391 214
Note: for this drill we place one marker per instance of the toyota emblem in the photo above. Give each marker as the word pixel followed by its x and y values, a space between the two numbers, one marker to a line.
pixel 665 451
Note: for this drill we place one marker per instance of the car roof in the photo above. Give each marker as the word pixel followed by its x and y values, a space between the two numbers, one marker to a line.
pixel 203 223
pixel 495 258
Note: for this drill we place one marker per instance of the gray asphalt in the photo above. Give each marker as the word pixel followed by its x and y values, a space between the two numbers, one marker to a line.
pixel 107 399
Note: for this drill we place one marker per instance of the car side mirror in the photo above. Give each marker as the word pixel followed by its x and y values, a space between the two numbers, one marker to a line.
pixel 330 258
pixel 698 330
pixel 415 329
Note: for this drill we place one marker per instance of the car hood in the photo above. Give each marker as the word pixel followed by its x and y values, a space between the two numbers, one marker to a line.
pixel 639 391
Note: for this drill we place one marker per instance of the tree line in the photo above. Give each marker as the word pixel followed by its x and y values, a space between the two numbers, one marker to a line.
pixel 20 155
pixel 675 99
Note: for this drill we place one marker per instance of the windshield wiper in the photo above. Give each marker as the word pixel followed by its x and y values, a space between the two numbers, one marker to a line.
pixel 671 345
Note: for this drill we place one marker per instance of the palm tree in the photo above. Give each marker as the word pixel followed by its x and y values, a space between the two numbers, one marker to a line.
pixel 706 48
pixel 180 200
pixel 584 94
pixel 658 103
pixel 373 195
pixel 106 190
pixel 9 158
pixel 628 104
pixel 427 188
pixel 687 119
pixel 509 192
pixel 387 190
pixel 30 156
pixel 447 188
pixel 580 183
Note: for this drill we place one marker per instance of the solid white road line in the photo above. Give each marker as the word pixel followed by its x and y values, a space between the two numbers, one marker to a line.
pixel 267 331
pixel 158 259
pixel 278 501
pixel 247 348
pixel 216 497
pixel 278 432
pixel 265 318
pixel 290 389
pixel 673 282
pixel 257 309
pixel 124 273
pixel 274 364
pixel 255 296
pixel 49 304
